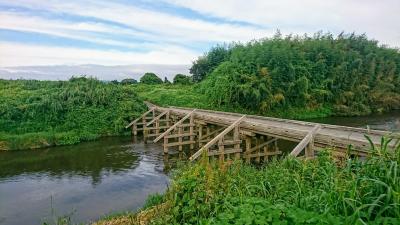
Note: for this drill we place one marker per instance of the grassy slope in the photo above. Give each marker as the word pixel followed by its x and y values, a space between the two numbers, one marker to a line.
pixel 193 96
pixel 287 191
pixel 36 114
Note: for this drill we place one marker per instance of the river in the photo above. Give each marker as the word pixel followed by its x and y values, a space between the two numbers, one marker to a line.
pixel 93 179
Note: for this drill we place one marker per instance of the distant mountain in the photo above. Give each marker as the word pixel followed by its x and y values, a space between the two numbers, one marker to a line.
pixel 64 72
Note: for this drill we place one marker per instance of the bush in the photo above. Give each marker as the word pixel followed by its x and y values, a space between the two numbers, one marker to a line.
pixel 305 72
pixel 182 79
pixel 150 78
pixel 289 191
pixel 37 114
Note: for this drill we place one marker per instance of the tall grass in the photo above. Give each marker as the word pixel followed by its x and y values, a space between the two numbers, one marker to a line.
pixel 288 191
pixel 43 113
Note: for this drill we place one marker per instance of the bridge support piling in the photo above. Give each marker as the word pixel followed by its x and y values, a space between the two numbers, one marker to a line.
pixel 248 148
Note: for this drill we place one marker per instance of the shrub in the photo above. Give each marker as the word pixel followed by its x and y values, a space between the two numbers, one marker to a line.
pixel 150 78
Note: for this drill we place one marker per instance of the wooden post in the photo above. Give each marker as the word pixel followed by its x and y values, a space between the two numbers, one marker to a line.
pixel 248 147
pixel 145 131
pixel 258 142
pixel 200 135
pixel 134 129
pixel 309 151
pixel 167 119
pixel 266 152
pixel 236 138
pixel 180 132
pixel 221 149
pixel 157 127
pixel 165 145
pixel 191 129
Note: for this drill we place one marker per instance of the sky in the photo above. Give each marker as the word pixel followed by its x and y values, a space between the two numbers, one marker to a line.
pixel 51 39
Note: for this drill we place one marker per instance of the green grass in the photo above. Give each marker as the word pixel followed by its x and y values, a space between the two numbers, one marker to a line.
pixel 35 114
pixel 192 96
pixel 288 191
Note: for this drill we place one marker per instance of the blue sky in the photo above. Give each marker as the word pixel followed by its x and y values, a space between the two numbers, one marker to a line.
pixel 171 32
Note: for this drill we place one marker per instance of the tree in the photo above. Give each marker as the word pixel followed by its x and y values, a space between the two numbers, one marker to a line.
pixel 150 78
pixel 207 63
pixel 349 73
pixel 182 79
pixel 128 81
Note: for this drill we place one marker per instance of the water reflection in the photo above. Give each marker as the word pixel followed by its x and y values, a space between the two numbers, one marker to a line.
pixel 88 160
pixel 90 179
pixel 388 121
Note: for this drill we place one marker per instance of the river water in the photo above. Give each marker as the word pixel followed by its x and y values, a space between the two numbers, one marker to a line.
pixel 93 179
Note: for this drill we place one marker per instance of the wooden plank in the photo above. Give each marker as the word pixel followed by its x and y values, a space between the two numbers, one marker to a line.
pixel 259 154
pixel 144 114
pixel 221 150
pixel 226 151
pixel 213 141
pixel 230 142
pixel 157 118
pixel 174 126
pixel 261 145
pixel 191 131
pixel 180 135
pixel 296 151
pixel 180 143
pixel 212 133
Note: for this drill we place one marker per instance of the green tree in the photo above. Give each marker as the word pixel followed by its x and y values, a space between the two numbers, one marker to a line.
pixel 150 78
pixel 206 64
pixel 182 79
pixel 128 81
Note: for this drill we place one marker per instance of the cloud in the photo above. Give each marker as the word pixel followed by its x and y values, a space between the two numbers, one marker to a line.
pixel 378 19
pixel 16 54
pixel 171 27
pixel 84 31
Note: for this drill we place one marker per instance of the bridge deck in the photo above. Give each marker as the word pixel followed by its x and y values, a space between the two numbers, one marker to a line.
pixel 339 137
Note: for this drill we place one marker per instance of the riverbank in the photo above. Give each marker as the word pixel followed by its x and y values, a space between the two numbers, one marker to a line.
pixel 289 191
pixel 37 114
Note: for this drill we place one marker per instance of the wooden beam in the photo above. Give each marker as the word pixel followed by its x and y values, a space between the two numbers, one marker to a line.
pixel 215 139
pixel 174 126
pixel 143 115
pixel 156 118
pixel 307 139
pixel 260 146
pixel 212 133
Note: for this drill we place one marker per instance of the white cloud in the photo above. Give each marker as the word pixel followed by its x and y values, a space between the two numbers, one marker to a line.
pixel 378 19
pixel 13 54
pixel 73 30
pixel 170 27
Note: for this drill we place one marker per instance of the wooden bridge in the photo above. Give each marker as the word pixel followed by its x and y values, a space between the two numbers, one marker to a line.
pixel 254 138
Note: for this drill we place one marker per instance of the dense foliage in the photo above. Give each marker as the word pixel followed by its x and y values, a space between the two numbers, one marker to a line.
pixel 43 113
pixel 206 64
pixel 349 73
pixel 182 79
pixel 288 191
pixel 150 78
pixel 128 81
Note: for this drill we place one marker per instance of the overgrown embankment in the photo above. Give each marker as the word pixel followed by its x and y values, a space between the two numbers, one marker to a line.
pixel 36 114
pixel 287 191
pixel 346 75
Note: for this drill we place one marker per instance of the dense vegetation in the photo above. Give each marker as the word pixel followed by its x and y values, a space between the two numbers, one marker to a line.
pixel 349 74
pixel 286 191
pixel 182 79
pixel 43 113
pixel 150 78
